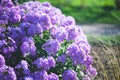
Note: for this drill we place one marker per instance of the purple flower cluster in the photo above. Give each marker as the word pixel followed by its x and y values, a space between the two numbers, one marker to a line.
pixel 51 46
pixel 62 58
pixel 36 37
pixel 69 75
pixel 53 76
pixel 6 72
pixel 45 64
pixel 59 33
pixel 7 44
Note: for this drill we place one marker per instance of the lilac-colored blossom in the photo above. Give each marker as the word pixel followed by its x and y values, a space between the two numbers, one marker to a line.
pixel 51 46
pixel 53 76
pixel 69 75
pixel 61 58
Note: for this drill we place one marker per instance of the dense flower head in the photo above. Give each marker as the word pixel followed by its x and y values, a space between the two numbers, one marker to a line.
pixel 9 13
pixel 40 75
pixel 69 75
pixel 86 78
pixel 68 21
pixel 76 54
pixel 14 16
pixel 51 61
pixel 92 71
pixel 59 33
pixel 72 33
pixel 84 45
pixel 53 76
pixel 61 58
pixel 7 46
pixel 51 46
pixel 28 78
pixel 42 63
pixel 45 63
pixel 23 64
pixel 28 48
pixel 8 74
pixel 88 61
pixel 35 38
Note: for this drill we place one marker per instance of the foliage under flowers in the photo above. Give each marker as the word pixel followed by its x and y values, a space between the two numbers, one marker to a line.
pixel 38 42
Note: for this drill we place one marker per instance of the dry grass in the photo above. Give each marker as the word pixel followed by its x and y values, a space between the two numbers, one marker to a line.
pixel 107 62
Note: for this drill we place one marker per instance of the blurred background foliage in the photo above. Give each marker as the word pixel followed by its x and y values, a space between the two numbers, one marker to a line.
pixel 88 11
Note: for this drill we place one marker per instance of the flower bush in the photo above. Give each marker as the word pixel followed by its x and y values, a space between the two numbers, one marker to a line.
pixel 38 42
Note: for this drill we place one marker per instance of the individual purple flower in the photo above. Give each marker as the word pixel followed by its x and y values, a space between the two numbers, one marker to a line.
pixel 72 32
pixel 24 66
pixel 55 11
pixel 46 4
pixel 39 29
pixel 79 57
pixel 81 36
pixel 10 74
pixel 45 22
pixel 88 61
pixel 55 19
pixel 53 76
pixel 76 54
pixel 28 78
pixel 40 75
pixel 59 33
pixel 69 75
pixel 14 16
pixel 16 33
pixel 32 17
pixel 84 45
pixel 51 46
pixel 42 63
pixel 8 46
pixel 28 48
pixel 86 77
pixel 45 63
pixel 31 30
pixel 34 29
pixel 5 50
pixel 51 61
pixel 61 58
pixel 72 49
pixel 55 15
pixel 2 61
pixel 27 39
pixel 24 26
pixel 91 71
pixel 68 21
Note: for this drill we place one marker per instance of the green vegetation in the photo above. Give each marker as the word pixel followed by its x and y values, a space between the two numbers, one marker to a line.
pixel 93 15
pixel 104 40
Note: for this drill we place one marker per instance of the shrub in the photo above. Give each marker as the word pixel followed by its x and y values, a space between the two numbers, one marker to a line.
pixel 38 42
